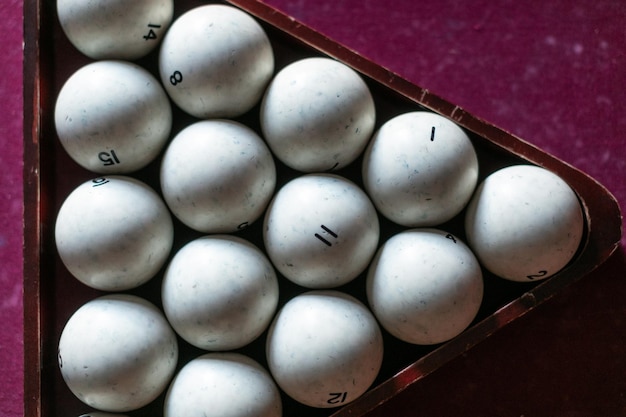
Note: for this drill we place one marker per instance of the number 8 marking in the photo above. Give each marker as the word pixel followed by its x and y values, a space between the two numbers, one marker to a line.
pixel 176 77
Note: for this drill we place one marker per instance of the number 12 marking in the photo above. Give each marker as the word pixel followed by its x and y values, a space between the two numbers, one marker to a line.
pixel 337 397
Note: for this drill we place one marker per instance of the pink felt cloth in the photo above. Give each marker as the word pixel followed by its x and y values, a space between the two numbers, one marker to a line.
pixel 551 72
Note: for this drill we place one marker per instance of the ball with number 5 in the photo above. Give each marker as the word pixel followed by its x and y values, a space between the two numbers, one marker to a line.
pixel 113 233
pixel 424 286
pixel 215 61
pixel 112 117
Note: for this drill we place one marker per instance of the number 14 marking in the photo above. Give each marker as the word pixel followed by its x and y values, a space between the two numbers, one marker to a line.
pixel 151 34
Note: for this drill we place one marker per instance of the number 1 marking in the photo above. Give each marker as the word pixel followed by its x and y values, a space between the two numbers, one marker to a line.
pixel 432 134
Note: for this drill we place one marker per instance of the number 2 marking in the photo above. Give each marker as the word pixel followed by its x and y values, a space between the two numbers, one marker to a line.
pixel 539 274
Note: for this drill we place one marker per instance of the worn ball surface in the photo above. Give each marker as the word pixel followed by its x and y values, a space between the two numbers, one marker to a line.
pixel 219 292
pixel 215 61
pixel 524 223
pixel 112 117
pixel 115 29
pixel 117 353
pixel 317 115
pixel 315 224
pixel 420 169
pixel 223 385
pixel 113 233
pixel 324 348
pixel 424 286
pixel 217 176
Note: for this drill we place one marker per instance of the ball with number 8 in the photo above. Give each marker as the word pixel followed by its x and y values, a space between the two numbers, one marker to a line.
pixel 215 61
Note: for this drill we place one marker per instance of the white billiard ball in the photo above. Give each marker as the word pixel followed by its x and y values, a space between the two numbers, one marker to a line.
pixel 219 292
pixel 223 385
pixel 321 230
pixel 112 117
pixel 217 176
pixel 324 348
pixel 115 29
pixel 524 223
pixel 424 286
pixel 420 169
pixel 317 115
pixel 117 353
pixel 215 61
pixel 113 233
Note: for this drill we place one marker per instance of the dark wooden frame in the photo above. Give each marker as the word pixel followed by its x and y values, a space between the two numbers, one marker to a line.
pixel 603 228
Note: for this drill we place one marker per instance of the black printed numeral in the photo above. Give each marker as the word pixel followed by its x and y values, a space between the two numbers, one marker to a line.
pixel 108 158
pixel 539 274
pixel 176 78
pixel 337 397
pixel 151 33
pixel 97 182
pixel 327 232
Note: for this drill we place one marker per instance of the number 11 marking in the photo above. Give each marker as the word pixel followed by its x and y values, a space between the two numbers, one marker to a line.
pixel 330 232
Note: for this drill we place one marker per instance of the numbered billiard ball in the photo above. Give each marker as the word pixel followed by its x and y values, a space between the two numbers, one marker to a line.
pixel 215 61
pixel 317 115
pixel 420 169
pixel 101 414
pixel 320 230
pixel 112 117
pixel 424 286
pixel 117 353
pixel 324 348
pixel 219 292
pixel 114 29
pixel 524 223
pixel 113 233
pixel 223 385
pixel 217 176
